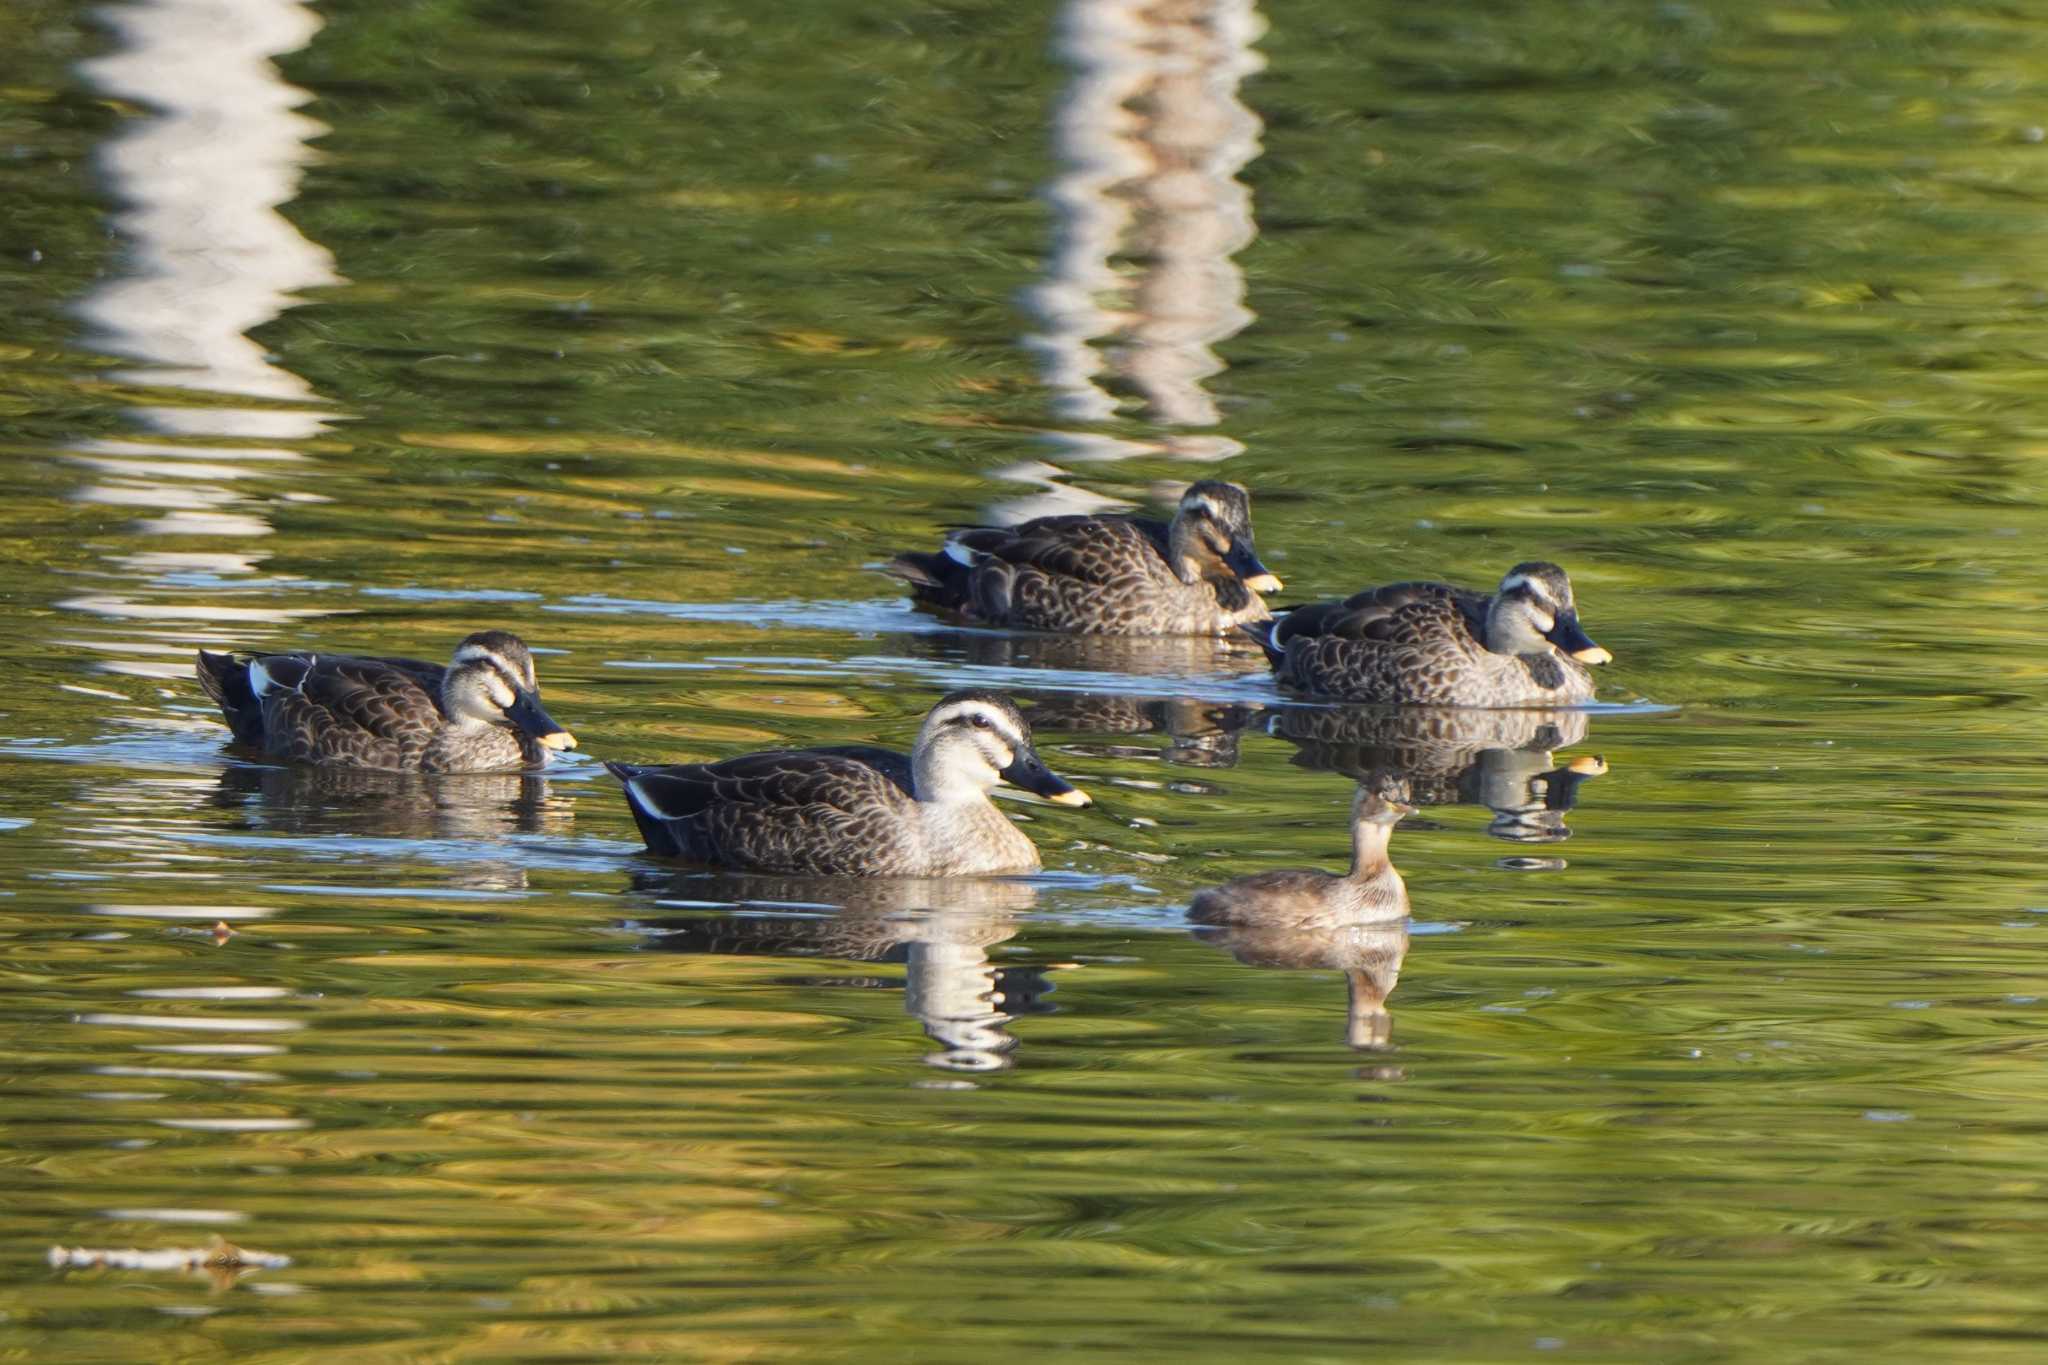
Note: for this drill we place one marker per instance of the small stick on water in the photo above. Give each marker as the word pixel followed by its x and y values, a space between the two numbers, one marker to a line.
pixel 223 1261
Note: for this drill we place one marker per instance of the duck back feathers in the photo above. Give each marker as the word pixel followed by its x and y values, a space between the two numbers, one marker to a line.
pixel 1102 575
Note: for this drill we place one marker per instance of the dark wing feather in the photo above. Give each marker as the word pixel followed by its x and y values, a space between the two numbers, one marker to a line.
pixel 385 697
pixel 1091 549
pixel 799 810
pixel 887 762
pixel 1399 613
pixel 784 777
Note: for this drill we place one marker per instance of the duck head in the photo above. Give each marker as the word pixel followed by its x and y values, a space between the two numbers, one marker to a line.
pixel 491 682
pixel 974 739
pixel 1212 534
pixel 1534 612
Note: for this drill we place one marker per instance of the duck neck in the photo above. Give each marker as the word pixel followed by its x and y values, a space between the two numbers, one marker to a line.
pixel 1181 550
pixel 942 784
pixel 1369 848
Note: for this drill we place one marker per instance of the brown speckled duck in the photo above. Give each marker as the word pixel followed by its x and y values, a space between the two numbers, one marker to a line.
pixel 481 713
pixel 1105 575
pixel 857 811
pixel 1430 643
pixel 1302 917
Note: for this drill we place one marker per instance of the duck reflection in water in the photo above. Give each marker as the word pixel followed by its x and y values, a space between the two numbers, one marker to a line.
pixel 1122 685
pixel 1303 918
pixel 1502 760
pixel 465 810
pixel 940 929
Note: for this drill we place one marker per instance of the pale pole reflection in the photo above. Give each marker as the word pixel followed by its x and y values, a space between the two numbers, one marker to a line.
pixel 1140 284
pixel 941 929
pixel 199 181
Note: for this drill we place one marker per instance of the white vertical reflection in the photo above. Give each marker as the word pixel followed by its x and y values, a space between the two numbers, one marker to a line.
pixel 1150 134
pixel 950 987
pixel 199 181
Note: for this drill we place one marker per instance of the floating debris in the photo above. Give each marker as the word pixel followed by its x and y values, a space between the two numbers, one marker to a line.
pixel 223 1262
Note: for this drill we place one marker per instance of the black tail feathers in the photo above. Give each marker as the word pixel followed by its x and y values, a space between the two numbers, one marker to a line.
pixel 1261 634
pixel 225 678
pixel 654 831
pixel 936 578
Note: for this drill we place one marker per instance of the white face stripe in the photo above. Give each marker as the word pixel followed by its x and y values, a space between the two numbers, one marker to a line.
pixel 1536 587
pixel 499 667
pixel 1000 726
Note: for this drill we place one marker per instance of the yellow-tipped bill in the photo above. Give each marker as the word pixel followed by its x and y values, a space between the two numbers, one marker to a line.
pixel 532 720
pixel 1265 583
pixel 1072 796
pixel 1587 765
pixel 1566 635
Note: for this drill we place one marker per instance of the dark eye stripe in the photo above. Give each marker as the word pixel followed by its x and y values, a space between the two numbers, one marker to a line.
pixel 506 675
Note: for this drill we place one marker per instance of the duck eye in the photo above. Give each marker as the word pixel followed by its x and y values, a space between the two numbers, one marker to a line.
pixel 979 722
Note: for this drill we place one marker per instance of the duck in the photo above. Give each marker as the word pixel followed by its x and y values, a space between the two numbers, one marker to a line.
pixel 1434 644
pixel 1356 922
pixel 1104 575
pixel 857 810
pixel 480 713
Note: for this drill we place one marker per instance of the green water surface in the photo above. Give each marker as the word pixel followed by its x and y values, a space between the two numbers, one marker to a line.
pixel 650 331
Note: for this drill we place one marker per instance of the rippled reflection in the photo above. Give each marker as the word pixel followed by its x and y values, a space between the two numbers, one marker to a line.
pixel 940 929
pixel 1140 284
pixel 1150 135
pixel 1157 673
pixel 1454 756
pixel 199 181
pixel 306 800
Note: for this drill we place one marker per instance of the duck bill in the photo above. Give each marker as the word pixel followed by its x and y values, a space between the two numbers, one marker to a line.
pixel 1028 772
pixel 1388 812
pixel 530 719
pixel 1567 636
pixel 1244 562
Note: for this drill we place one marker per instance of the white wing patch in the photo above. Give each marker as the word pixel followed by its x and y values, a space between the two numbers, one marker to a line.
pixel 960 554
pixel 262 684
pixel 646 801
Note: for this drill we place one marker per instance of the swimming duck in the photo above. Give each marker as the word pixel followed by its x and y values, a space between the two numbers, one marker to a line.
pixel 1302 917
pixel 480 713
pixel 1105 575
pixel 1435 644
pixel 856 810
pixel 1305 898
